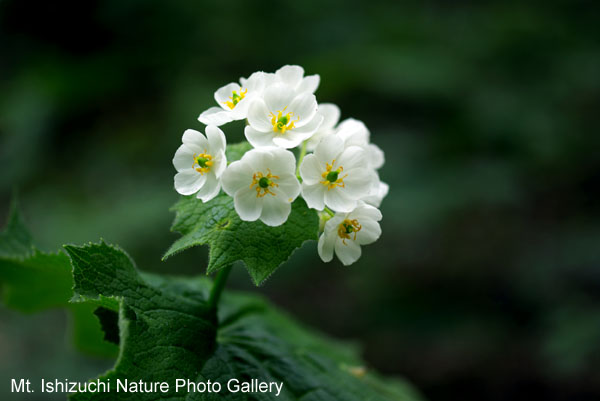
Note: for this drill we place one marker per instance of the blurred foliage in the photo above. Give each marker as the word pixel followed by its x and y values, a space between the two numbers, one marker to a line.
pixel 485 282
pixel 33 281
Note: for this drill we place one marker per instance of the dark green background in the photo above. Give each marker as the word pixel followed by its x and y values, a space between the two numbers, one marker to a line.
pixel 485 284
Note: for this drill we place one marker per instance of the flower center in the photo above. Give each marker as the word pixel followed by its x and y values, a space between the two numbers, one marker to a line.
pixel 202 163
pixel 282 122
pixel 348 227
pixel 264 183
pixel 235 98
pixel 331 178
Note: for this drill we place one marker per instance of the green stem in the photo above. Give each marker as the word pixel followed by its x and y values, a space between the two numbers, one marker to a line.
pixel 302 154
pixel 331 212
pixel 218 286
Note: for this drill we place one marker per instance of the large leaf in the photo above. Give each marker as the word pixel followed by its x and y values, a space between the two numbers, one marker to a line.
pixel 33 281
pixel 167 332
pixel 163 335
pixel 262 248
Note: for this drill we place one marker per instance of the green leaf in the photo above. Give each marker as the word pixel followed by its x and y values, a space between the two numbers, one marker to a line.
pixel 15 240
pixel 235 151
pixel 262 248
pixel 32 281
pixel 167 332
pixel 164 335
pixel 216 223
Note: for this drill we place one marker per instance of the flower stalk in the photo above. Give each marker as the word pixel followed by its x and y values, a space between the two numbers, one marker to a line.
pixel 218 286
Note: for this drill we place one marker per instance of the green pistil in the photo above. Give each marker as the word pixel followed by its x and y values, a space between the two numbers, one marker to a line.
pixel 332 176
pixel 264 182
pixel 202 161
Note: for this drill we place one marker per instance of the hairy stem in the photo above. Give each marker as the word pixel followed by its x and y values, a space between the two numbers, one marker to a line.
pixel 300 157
pixel 218 286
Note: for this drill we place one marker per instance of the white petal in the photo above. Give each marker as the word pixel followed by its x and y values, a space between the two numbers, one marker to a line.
pixel 255 82
pixel 289 139
pixel 353 132
pixel 376 156
pixel 314 195
pixel 247 205
pixel 216 139
pixel 283 162
pixel 347 253
pixel 304 108
pixel 329 149
pixel 194 138
pixel 189 182
pixel 325 247
pixel 210 189
pixel 220 163
pixel 378 192
pixel 258 159
pixel 184 158
pixel 368 212
pixel 352 156
pixel 275 210
pixel 331 114
pixel 310 170
pixel 277 97
pixel 309 84
pixel 240 111
pixel 224 93
pixel 215 116
pixel 338 200
pixel 236 177
pixel 370 232
pixel 289 187
pixel 258 139
pixel 290 75
pixel 259 117
pixel 358 182
pixel 310 128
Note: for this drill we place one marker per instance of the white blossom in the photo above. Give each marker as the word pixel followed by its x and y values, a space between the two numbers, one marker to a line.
pixel 200 162
pixel 263 185
pixel 378 191
pixel 344 234
pixel 331 116
pixel 336 176
pixel 233 100
pixel 356 133
pixel 282 118
pixel 293 76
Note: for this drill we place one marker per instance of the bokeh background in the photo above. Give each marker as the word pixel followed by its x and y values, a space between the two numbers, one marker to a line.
pixel 486 282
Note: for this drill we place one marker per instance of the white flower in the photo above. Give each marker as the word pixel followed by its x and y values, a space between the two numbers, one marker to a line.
pixel 200 162
pixel 234 100
pixel 331 116
pixel 345 232
pixel 335 176
pixel 355 133
pixel 263 185
pixel 378 191
pixel 282 118
pixel 293 76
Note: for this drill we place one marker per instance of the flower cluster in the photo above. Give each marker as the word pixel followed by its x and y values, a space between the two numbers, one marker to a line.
pixel 338 178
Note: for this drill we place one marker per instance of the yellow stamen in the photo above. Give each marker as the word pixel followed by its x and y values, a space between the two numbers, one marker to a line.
pixel 202 162
pixel 282 122
pixel 264 183
pixel 332 179
pixel 348 227
pixel 235 98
